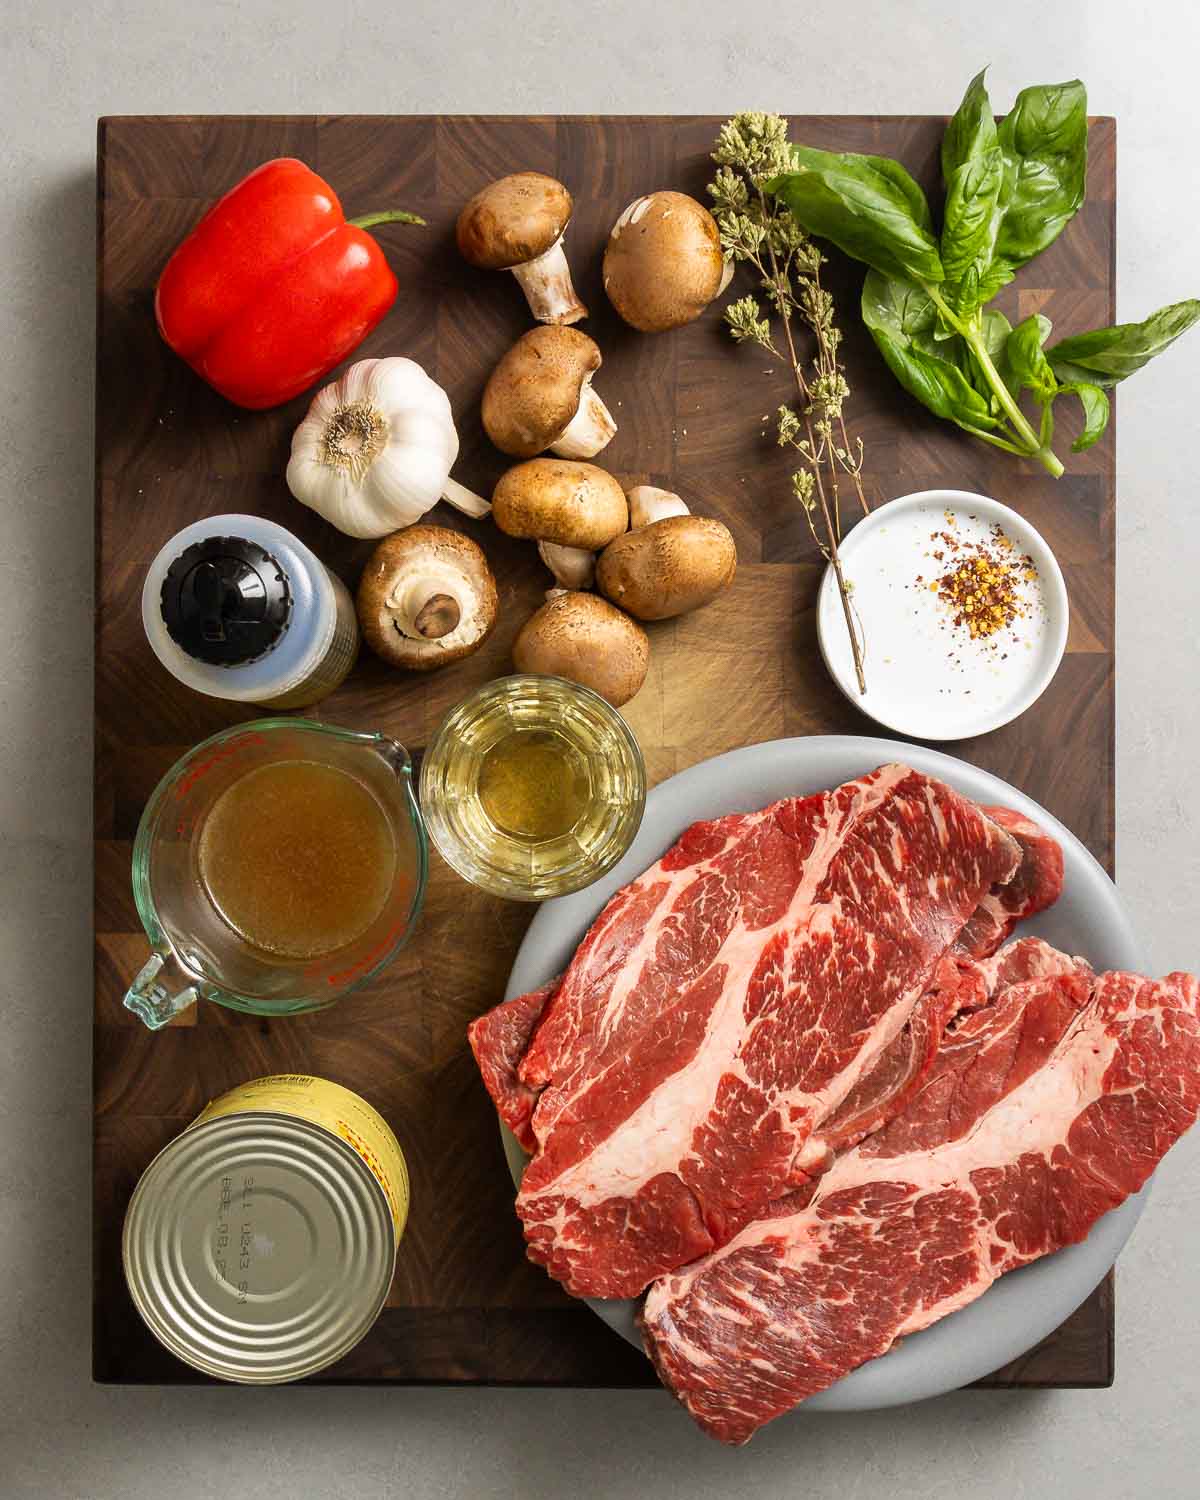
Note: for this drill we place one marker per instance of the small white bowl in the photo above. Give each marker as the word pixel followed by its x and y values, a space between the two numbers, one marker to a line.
pixel 925 677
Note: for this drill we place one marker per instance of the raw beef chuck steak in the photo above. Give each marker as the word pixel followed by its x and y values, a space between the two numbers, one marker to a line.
pixel 1036 884
pixel 1045 1108
pixel 499 1039
pixel 725 1004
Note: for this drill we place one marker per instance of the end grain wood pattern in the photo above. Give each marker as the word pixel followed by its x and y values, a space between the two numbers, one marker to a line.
pixel 694 414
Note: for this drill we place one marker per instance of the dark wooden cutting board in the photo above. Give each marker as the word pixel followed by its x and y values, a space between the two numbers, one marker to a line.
pixel 692 410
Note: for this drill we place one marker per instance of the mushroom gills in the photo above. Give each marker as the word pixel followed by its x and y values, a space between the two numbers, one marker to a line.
pixel 426 598
pixel 429 602
pixel 589 430
pixel 546 282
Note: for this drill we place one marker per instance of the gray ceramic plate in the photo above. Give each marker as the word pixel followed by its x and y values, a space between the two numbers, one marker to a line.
pixel 1019 1309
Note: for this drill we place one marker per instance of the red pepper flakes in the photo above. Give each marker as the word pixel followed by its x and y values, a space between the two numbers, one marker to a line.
pixel 981 586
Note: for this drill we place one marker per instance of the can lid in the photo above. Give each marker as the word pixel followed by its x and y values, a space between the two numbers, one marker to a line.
pixel 226 601
pixel 258 1248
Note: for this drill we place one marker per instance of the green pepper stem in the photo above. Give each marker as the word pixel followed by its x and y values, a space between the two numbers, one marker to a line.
pixel 387 216
pixel 1033 446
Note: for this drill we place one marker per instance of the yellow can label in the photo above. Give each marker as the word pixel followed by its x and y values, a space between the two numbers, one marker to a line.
pixel 336 1109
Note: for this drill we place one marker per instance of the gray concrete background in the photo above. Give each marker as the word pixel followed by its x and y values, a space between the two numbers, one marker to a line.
pixel 61 67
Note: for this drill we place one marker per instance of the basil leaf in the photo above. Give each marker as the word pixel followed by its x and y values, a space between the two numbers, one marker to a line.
pixel 1095 412
pixel 935 382
pixel 903 324
pixel 972 128
pixel 998 274
pixel 971 223
pixel 1044 142
pixel 896 306
pixel 868 206
pixel 1107 355
pixel 1027 361
pixel 974 169
pixel 930 362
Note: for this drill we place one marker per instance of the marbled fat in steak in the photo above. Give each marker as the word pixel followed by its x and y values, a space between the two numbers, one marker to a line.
pixel 1045 1108
pixel 723 1007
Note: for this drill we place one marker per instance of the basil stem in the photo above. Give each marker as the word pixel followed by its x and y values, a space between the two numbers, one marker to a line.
pixel 1030 445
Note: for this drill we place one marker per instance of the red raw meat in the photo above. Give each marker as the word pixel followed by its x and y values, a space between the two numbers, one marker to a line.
pixel 498 1039
pixel 1045 1109
pixel 1037 884
pixel 725 1005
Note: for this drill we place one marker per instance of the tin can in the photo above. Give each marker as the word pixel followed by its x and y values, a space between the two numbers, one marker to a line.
pixel 260 1244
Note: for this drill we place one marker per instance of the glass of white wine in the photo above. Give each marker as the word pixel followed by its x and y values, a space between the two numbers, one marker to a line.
pixel 533 787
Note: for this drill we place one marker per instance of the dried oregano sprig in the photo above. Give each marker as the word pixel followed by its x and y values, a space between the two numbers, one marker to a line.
pixel 756 229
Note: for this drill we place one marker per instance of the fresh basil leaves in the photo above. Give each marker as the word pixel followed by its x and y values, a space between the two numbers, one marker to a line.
pixel 1095 412
pixel 1044 141
pixel 1107 355
pixel 868 206
pixel 973 166
pixel 1030 367
pixel 1011 189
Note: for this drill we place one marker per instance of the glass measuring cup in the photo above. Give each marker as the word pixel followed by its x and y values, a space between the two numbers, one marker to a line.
pixel 198 955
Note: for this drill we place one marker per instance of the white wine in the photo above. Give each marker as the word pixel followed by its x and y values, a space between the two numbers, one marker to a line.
pixel 533 787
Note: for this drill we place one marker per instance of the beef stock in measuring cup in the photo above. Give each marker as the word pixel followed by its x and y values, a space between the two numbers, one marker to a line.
pixel 277 866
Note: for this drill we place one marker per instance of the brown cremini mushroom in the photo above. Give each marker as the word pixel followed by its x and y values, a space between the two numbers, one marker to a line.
pixel 558 500
pixel 427 598
pixel 516 224
pixel 585 639
pixel 668 567
pixel 663 263
pixel 540 396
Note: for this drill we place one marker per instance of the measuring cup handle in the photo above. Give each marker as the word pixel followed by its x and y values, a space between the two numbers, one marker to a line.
pixel 152 996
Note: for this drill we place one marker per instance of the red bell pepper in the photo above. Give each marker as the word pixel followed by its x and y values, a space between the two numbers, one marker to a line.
pixel 274 286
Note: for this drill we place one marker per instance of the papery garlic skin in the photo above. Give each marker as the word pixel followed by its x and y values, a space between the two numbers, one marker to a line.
pixel 375 451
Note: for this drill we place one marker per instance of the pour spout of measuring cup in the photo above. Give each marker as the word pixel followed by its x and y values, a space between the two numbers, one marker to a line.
pixel 161 991
pixel 396 756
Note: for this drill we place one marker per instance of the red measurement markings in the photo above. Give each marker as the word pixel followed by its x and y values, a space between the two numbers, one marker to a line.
pixel 222 753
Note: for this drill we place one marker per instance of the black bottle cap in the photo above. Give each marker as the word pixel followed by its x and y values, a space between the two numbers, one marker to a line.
pixel 225 601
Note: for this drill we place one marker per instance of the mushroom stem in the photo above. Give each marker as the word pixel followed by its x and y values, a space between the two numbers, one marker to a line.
pixel 648 504
pixel 464 499
pixel 573 567
pixel 422 606
pixel 546 283
pixel 726 277
pixel 589 430
pixel 438 616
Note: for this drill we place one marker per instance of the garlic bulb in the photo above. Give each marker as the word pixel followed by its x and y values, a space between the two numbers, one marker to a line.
pixel 375 451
